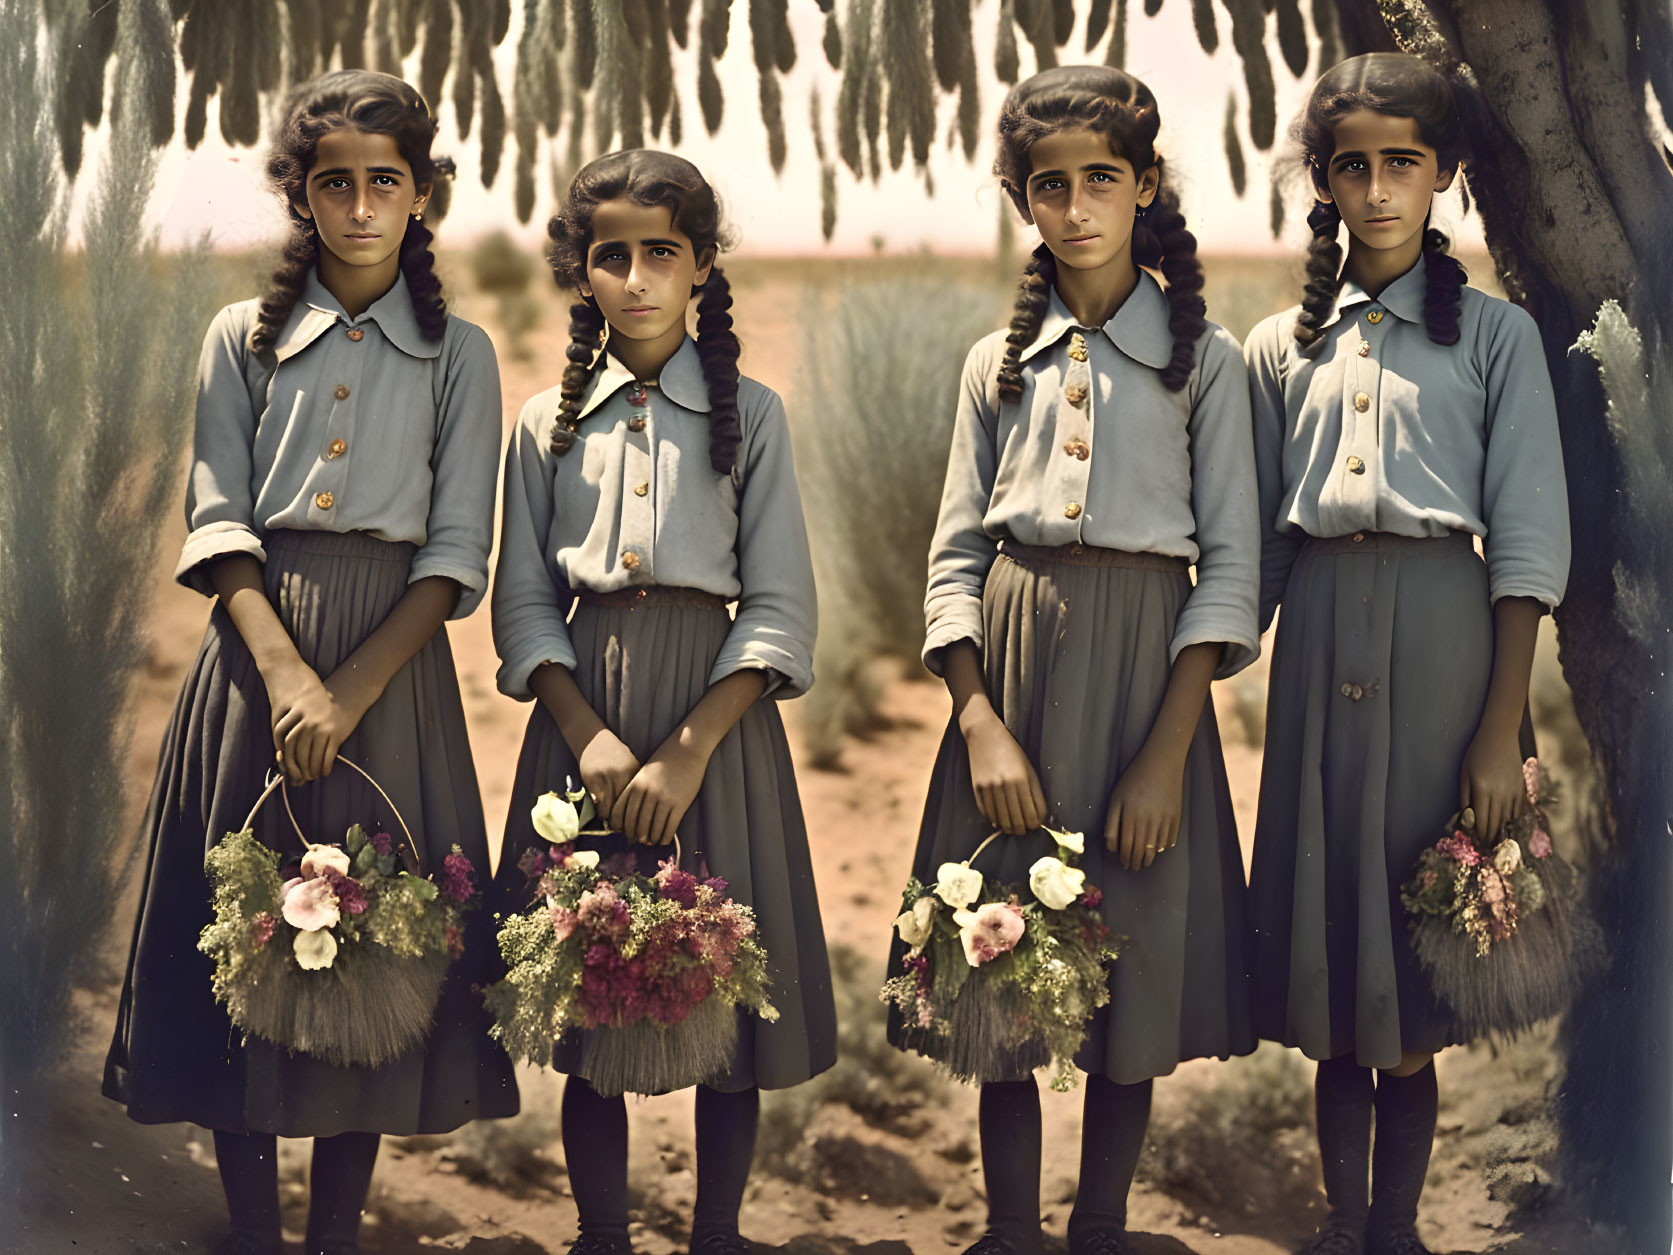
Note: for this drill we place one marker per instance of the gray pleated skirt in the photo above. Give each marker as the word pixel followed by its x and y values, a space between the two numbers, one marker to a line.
pixel 175 1055
pixel 643 667
pixel 1076 659
pixel 1379 675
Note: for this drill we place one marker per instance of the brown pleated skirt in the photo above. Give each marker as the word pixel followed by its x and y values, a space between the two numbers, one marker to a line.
pixel 175 1055
pixel 1076 659
pixel 644 664
pixel 1379 675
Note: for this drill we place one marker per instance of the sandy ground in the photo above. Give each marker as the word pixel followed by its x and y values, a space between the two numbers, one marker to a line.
pixel 877 1157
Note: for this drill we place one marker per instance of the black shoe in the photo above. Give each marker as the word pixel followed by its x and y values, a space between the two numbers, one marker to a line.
pixel 1102 1242
pixel 988 1244
pixel 723 1244
pixel 1395 1242
pixel 243 1242
pixel 1338 1237
pixel 594 1245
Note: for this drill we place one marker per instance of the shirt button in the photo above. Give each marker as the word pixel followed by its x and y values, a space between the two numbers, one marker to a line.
pixel 341 392
pixel 636 423
pixel 1362 401
pixel 1077 347
pixel 1078 448
pixel 630 560
pixel 1072 510
pixel 325 501
pixel 1365 348
pixel 1356 465
pixel 1374 317
pixel 337 448
pixel 639 490
pixel 1359 538
pixel 1075 394
pixel 356 334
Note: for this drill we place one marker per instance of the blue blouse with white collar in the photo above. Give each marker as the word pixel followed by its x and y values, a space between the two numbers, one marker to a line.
pixel 350 424
pixel 1124 464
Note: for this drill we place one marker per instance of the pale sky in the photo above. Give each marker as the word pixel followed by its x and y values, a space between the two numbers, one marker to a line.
pixel 221 189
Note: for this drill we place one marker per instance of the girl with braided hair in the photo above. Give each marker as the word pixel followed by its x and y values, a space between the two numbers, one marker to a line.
pixel 340 508
pixel 1101 448
pixel 648 490
pixel 1398 415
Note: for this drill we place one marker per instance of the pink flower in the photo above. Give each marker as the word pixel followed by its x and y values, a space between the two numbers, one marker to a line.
pixel 454 936
pixel 676 885
pixel 262 925
pixel 1539 844
pixel 458 877
pixel 1530 779
pixel 992 929
pixel 1459 848
pixel 717 884
pixel 619 866
pixel 603 911
pixel 1093 897
pixel 564 922
pixel 533 863
pixel 383 843
pixel 351 898
pixel 309 905
pixel 1492 886
pixel 1428 878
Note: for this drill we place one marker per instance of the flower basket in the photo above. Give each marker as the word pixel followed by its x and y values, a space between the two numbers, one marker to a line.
pixel 1501 930
pixel 1001 979
pixel 344 960
pixel 655 968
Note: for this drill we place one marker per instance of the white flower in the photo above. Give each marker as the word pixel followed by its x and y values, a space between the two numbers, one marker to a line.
pixel 1074 842
pixel 320 857
pixel 555 818
pixel 316 950
pixel 957 885
pixel 1055 883
pixel 1507 857
pixel 914 926
pixel 581 858
pixel 582 800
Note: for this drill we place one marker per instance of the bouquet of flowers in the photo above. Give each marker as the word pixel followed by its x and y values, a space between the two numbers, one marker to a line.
pixel 655 967
pixel 1499 927
pixel 342 959
pixel 998 983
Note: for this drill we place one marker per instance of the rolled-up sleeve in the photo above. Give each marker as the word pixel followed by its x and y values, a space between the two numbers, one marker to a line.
pixel 778 609
pixel 1223 606
pixel 1524 492
pixel 531 600
pixel 1263 354
pixel 219 501
pixel 459 530
pixel 962 553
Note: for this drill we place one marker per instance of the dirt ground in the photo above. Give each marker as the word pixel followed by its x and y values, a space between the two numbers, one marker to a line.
pixel 877 1157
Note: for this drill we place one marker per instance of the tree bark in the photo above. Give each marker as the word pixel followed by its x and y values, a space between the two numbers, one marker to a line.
pixel 1577 203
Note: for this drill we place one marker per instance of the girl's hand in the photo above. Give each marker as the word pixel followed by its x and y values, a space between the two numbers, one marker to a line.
pixel 1007 788
pixel 1144 810
pixel 606 767
pixel 310 723
pixel 650 808
pixel 1491 781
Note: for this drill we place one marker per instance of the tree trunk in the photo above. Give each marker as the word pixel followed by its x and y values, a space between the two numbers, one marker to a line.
pixel 1577 203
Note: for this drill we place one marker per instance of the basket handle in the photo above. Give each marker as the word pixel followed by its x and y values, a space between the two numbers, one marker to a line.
pixel 410 856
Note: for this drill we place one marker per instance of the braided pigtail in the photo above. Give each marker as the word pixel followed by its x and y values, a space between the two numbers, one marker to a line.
pixel 586 331
pixel 284 288
pixel 418 264
pixel 717 348
pixel 1443 294
pixel 1033 295
pixel 1163 241
pixel 1324 273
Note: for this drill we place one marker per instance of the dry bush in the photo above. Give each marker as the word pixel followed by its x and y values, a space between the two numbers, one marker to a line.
pixel 876 388
pixel 504 270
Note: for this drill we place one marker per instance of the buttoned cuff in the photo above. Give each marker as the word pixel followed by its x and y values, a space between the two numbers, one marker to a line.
pixel 512 679
pixel 787 675
pixel 212 541
pixel 472 581
pixel 949 629
pixel 1237 651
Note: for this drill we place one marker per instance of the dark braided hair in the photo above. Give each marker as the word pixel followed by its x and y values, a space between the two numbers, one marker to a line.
pixel 1402 86
pixel 651 179
pixel 379 104
pixel 1120 108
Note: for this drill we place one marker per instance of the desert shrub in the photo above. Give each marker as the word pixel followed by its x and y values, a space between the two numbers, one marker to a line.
pixel 504 270
pixel 874 397
pixel 96 377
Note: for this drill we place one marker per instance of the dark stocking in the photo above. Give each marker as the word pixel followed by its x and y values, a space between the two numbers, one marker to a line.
pixel 337 1184
pixel 1342 1093
pixel 249 1164
pixel 1010 1128
pixel 595 1150
pixel 1111 1136
pixel 726 1125
pixel 1406 1108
